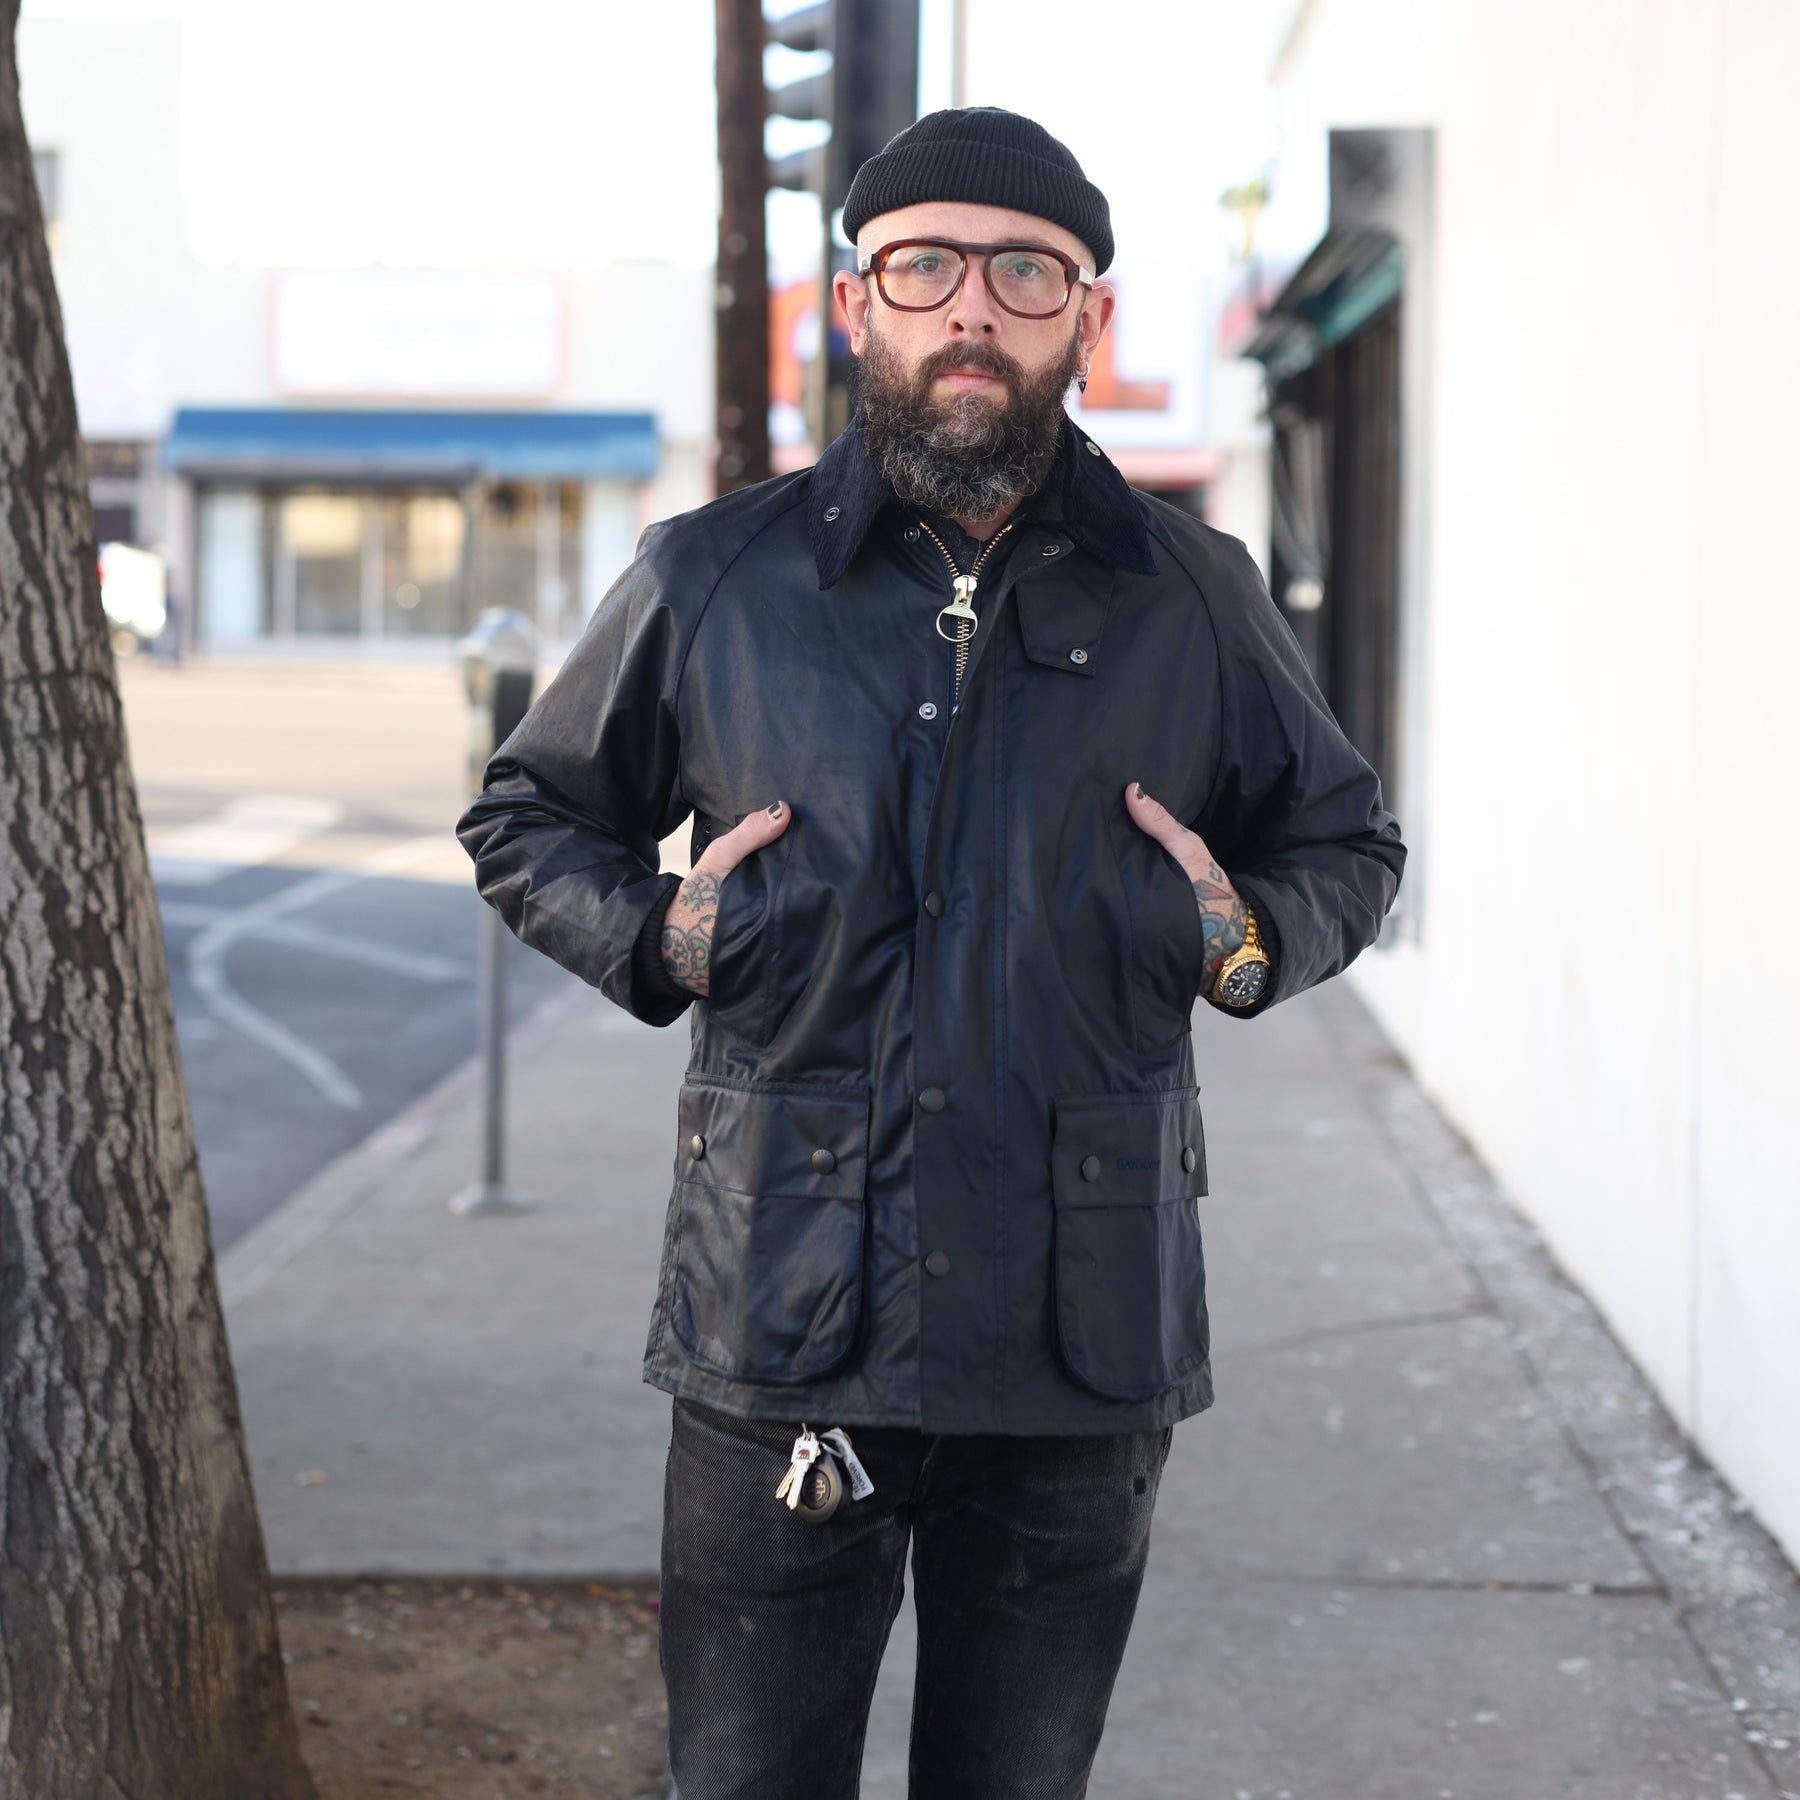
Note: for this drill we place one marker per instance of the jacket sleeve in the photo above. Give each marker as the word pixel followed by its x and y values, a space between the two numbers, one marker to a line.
pixel 564 833
pixel 1295 817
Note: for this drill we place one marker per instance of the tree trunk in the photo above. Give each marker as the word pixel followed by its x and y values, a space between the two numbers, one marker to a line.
pixel 138 1652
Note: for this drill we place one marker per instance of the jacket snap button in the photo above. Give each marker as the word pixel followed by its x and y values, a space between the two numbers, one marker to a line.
pixel 937 1263
pixel 1188 1158
pixel 932 1100
pixel 1078 656
pixel 934 904
pixel 824 1161
pixel 1093 449
pixel 1052 549
pixel 927 709
pixel 831 514
pixel 1090 1168
pixel 911 534
pixel 697 1145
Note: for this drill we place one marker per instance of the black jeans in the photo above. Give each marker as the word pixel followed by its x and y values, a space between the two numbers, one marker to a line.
pixel 1028 1553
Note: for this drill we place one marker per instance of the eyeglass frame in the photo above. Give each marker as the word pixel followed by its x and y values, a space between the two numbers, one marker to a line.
pixel 1075 274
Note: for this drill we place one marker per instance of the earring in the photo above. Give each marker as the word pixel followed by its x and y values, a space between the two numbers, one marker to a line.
pixel 1081 376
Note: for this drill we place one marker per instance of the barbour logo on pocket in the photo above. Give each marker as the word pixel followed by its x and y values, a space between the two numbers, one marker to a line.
pixel 1126 1164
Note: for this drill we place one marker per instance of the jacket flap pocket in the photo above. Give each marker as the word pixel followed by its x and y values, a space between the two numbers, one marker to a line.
pixel 776 1140
pixel 1063 611
pixel 1128 1149
pixel 1129 1267
pixel 768 1273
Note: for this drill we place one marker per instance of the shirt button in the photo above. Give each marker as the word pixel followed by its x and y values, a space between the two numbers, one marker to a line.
pixel 1052 549
pixel 938 1264
pixel 697 1145
pixel 1090 1168
pixel 934 904
pixel 1093 449
pixel 932 1100
pixel 927 709
pixel 1078 656
pixel 824 1161
pixel 1188 1158
pixel 831 514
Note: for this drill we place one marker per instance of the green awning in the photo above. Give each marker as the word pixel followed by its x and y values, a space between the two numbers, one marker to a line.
pixel 1348 278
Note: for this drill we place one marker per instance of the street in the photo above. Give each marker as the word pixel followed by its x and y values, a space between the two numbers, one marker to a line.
pixel 319 914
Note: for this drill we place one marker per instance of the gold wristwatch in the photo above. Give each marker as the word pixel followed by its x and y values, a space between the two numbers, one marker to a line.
pixel 1245 972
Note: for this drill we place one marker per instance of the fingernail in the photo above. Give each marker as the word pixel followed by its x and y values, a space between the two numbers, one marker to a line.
pixel 775 810
pixel 1137 787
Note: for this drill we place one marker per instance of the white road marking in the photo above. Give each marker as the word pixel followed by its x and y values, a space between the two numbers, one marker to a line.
pixel 255 829
pixel 206 964
pixel 417 964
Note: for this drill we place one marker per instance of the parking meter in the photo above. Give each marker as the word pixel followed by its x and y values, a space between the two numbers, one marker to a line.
pixel 499 662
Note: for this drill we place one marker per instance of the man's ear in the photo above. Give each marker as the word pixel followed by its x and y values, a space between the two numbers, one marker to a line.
pixel 1096 315
pixel 851 292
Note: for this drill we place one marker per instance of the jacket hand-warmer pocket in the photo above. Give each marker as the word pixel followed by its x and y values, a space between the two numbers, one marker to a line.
pixel 768 1271
pixel 1126 1174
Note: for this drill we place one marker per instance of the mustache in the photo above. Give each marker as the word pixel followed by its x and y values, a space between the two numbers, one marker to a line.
pixel 969 353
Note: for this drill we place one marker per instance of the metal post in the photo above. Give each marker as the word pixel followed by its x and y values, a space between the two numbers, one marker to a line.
pixel 491 1193
pixel 499 658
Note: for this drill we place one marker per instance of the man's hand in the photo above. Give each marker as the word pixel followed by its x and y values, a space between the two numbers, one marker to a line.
pixel 1224 918
pixel 688 924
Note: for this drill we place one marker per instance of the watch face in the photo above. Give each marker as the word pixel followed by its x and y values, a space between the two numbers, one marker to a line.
pixel 1244 983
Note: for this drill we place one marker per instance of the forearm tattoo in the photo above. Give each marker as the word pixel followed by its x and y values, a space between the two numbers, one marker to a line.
pixel 688 933
pixel 1224 918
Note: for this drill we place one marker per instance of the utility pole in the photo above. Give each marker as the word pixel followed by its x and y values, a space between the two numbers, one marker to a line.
pixel 742 297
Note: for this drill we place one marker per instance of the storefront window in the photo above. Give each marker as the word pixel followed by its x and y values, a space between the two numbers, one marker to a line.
pixel 392 562
pixel 319 551
pixel 422 565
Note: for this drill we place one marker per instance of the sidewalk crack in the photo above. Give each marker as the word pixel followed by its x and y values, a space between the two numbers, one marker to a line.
pixel 1474 1309
pixel 1428 1584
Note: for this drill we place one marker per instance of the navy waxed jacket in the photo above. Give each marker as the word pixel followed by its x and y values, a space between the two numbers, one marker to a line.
pixel 938 1158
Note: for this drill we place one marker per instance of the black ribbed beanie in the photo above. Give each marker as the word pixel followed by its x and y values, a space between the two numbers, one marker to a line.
pixel 988 157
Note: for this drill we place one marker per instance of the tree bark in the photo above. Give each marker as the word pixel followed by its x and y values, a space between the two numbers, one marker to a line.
pixel 139 1658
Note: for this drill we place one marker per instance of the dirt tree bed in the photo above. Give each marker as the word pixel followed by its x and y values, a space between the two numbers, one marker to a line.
pixel 475 1692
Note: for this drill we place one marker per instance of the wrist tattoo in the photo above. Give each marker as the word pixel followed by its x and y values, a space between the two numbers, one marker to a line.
pixel 1224 917
pixel 688 933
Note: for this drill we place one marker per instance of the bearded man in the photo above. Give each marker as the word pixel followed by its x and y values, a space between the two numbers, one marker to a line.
pixel 995 767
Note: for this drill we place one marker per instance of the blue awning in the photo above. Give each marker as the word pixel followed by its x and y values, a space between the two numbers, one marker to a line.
pixel 363 445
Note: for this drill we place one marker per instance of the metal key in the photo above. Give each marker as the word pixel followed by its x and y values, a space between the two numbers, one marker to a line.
pixel 806 1453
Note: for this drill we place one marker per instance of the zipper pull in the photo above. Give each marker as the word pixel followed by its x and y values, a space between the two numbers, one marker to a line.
pixel 960 608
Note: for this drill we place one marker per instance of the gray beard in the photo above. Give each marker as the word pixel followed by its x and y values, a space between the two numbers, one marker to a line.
pixel 964 458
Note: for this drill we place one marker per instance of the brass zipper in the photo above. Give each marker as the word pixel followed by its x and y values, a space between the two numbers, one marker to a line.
pixel 961 609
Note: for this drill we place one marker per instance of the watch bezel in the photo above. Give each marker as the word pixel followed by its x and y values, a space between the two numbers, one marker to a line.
pixel 1253 970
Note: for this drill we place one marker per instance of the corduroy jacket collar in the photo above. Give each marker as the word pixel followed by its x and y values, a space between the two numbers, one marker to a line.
pixel 1084 493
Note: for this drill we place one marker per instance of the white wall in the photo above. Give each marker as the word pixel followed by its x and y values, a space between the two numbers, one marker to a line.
pixel 1602 993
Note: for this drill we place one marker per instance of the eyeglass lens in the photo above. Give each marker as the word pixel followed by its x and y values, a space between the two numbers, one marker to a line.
pixel 925 275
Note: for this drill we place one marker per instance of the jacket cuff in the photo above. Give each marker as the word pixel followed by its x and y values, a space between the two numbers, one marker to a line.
pixel 1256 898
pixel 657 997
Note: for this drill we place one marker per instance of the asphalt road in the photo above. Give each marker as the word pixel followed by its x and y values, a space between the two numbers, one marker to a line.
pixel 320 917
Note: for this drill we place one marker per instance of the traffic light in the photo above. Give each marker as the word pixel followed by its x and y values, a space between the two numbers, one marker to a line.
pixel 869 92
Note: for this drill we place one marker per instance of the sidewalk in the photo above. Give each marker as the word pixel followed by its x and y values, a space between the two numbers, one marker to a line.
pixel 1435 1539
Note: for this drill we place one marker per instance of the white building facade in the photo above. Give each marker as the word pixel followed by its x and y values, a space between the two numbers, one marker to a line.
pixel 1591 631
pixel 354 456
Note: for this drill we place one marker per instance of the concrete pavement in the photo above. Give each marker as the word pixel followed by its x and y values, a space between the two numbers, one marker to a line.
pixel 1435 1539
